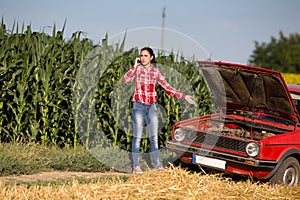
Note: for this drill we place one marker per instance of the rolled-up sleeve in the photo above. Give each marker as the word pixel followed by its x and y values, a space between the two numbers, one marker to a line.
pixel 130 75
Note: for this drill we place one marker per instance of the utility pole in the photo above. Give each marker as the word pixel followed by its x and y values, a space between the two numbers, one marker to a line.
pixel 162 28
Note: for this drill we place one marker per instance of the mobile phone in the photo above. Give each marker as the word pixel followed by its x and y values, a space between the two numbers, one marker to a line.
pixel 139 61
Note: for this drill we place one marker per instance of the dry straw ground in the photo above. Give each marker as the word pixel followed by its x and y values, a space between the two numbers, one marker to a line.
pixel 173 183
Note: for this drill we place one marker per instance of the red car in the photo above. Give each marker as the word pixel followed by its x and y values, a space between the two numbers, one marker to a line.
pixel 255 130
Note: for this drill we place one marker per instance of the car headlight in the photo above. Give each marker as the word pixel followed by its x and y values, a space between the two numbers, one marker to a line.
pixel 179 135
pixel 252 149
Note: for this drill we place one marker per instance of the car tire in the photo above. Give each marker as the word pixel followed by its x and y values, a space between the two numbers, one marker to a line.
pixel 288 173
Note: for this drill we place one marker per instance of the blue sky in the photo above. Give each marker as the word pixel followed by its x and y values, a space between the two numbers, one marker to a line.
pixel 226 29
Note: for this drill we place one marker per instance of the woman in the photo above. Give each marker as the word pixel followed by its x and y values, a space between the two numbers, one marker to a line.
pixel 146 77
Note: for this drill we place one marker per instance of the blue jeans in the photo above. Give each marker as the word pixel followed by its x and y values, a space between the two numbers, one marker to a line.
pixel 142 113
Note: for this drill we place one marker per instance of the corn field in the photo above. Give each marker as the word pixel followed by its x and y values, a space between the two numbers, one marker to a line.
pixel 68 92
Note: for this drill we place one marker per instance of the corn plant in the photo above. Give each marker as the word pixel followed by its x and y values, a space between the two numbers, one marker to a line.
pixel 38 73
pixel 90 92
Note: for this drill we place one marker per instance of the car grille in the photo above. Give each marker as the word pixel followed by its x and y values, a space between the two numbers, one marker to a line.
pixel 216 140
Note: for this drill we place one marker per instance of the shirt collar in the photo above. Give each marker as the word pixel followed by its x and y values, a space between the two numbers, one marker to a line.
pixel 152 67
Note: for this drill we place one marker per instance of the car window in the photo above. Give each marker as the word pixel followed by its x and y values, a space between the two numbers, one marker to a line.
pixel 296 98
pixel 297 103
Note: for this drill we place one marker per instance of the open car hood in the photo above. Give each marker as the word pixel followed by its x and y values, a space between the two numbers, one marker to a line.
pixel 249 88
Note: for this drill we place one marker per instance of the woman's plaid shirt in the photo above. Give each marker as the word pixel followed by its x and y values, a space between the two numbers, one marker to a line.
pixel 145 83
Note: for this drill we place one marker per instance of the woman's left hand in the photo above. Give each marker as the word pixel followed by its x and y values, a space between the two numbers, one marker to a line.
pixel 190 99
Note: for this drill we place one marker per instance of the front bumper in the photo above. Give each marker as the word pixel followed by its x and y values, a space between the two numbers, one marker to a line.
pixel 229 163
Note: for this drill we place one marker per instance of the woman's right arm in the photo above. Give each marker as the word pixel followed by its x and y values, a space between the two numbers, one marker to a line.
pixel 130 75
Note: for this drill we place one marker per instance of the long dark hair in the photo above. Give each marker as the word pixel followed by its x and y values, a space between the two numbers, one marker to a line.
pixel 153 61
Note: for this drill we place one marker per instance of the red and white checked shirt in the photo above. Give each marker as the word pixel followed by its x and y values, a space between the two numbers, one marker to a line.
pixel 145 83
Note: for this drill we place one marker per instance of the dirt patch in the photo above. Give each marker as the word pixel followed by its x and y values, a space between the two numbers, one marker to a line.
pixel 46 176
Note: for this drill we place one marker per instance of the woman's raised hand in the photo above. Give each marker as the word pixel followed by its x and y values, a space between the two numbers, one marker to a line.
pixel 137 62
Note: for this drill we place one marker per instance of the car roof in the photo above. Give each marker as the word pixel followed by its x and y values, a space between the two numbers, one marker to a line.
pixel 294 88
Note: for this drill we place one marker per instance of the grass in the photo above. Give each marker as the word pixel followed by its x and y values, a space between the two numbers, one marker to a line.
pixel 17 159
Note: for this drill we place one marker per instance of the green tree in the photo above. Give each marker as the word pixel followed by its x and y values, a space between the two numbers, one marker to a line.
pixel 281 54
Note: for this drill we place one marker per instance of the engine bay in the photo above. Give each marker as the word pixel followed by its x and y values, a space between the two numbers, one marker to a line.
pixel 240 131
pixel 237 129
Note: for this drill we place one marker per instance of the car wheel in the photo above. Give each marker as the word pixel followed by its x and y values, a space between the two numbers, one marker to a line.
pixel 288 173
